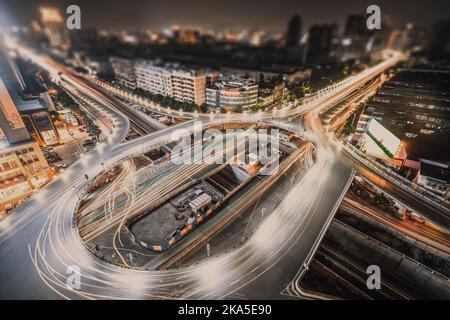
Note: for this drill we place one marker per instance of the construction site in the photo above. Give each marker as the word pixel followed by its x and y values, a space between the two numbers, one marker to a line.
pixel 150 204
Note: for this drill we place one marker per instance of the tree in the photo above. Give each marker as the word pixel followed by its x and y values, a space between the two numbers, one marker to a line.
pixel 158 98
pixel 204 107
pixel 304 89
pixel 95 130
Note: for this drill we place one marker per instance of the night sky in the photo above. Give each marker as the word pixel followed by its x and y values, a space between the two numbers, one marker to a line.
pixel 234 15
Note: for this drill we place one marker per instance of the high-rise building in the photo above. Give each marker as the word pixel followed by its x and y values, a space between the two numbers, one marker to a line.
pixel 54 27
pixel 358 41
pixel 398 39
pixel 11 122
pixel 23 167
pixel 171 80
pixel 189 36
pixel 232 93
pixel 320 43
pixel 355 25
pixel 416 37
pixel 439 45
pixel 294 31
pixel 18 109
pixel 9 72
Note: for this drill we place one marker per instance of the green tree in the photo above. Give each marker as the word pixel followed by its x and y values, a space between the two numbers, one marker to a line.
pixel 204 107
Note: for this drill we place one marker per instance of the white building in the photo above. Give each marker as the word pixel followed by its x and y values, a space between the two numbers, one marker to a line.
pixel 199 202
pixel 378 142
pixel 434 176
pixel 232 93
pixel 171 80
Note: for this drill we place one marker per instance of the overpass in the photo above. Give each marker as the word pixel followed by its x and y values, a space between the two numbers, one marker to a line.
pixel 39 241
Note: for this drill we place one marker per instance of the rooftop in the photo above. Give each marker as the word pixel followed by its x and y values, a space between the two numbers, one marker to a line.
pixel 232 83
pixel 435 171
pixel 169 66
pixel 5 144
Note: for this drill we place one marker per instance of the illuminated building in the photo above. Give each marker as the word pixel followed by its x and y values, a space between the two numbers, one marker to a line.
pixel 378 142
pixel 232 93
pixel 38 122
pixel 294 31
pixel 189 37
pixel 45 128
pixel 256 38
pixel 291 75
pixel 10 73
pixel 357 41
pixel 23 167
pixel 270 94
pixel 54 27
pixel 171 80
pixel 10 121
pixel 398 39
pixel 320 43
pixel 434 176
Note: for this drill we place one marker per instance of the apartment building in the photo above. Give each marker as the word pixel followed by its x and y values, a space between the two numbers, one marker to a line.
pixel 232 93
pixel 171 80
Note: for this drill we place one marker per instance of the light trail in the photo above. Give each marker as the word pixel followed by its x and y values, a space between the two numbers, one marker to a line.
pixel 52 244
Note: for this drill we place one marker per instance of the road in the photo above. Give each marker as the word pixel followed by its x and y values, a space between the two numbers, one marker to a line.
pixel 330 178
pixel 420 232
pixel 418 205
pixel 39 242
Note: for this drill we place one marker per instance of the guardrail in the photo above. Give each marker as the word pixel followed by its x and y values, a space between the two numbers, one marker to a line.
pixel 324 230
pixel 398 180
pixel 388 248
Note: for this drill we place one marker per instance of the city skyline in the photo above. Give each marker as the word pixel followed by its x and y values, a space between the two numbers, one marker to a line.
pixel 311 162
pixel 226 15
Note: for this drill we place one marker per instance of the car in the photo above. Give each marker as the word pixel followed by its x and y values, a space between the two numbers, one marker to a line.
pixel 54 158
pixel 61 165
pixel 90 146
pixel 8 207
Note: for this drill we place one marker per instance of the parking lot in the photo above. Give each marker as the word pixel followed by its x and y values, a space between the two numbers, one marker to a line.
pixel 78 143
